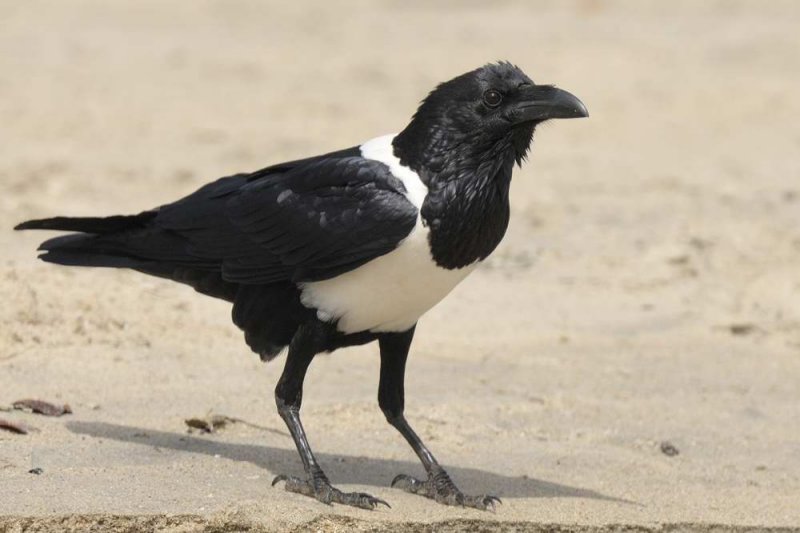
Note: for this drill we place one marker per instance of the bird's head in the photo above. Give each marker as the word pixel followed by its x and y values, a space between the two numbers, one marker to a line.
pixel 484 115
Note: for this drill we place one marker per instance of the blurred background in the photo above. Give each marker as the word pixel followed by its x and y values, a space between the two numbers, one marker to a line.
pixel 648 288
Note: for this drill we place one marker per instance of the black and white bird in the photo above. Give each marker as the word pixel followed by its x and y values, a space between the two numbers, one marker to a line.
pixel 343 248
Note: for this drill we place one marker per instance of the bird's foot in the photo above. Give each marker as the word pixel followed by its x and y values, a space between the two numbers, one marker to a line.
pixel 318 486
pixel 441 488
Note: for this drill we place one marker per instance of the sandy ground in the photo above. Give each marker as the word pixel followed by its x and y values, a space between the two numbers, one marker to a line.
pixel 648 290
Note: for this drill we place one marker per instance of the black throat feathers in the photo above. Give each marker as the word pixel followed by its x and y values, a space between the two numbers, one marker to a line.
pixel 468 180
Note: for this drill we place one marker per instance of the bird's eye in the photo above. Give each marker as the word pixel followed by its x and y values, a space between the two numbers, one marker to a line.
pixel 492 98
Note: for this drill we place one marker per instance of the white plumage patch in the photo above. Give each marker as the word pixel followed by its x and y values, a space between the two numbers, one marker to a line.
pixel 390 292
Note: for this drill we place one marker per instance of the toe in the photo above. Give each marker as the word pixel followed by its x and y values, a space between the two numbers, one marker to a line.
pixel 294 484
pixel 291 483
pixel 360 499
pixel 279 478
pixel 327 494
pixel 400 479
pixel 370 502
pixel 377 501
pixel 484 502
pixel 454 498
pixel 488 504
pixel 407 483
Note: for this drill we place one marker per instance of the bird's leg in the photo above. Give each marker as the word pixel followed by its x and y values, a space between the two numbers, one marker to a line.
pixel 288 396
pixel 391 398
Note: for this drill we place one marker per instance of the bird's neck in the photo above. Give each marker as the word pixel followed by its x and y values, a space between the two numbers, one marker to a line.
pixel 467 207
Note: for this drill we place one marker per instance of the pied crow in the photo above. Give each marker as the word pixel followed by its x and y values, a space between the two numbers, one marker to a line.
pixel 344 248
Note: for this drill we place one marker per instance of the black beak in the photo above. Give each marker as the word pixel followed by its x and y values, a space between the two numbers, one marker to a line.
pixel 543 102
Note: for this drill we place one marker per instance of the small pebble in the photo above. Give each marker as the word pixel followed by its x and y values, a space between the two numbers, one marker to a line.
pixel 742 329
pixel 669 449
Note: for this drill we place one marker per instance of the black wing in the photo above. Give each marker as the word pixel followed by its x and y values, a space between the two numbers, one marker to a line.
pixel 304 220
pixel 307 223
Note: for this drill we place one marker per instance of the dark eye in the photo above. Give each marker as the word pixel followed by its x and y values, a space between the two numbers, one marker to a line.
pixel 492 98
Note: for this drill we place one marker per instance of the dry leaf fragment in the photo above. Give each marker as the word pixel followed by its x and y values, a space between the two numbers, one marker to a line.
pixel 41 407
pixel 212 422
pixel 209 424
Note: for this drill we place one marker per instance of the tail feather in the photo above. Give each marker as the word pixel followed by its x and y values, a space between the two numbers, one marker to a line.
pixel 72 241
pixel 90 247
pixel 73 258
pixel 96 225
pixel 83 249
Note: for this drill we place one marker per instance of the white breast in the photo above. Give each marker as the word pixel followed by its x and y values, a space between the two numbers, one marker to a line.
pixel 391 292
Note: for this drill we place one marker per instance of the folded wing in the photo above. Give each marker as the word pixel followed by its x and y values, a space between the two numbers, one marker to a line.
pixel 301 221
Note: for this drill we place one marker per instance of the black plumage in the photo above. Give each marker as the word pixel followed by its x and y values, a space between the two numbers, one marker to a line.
pixel 343 248
pixel 250 238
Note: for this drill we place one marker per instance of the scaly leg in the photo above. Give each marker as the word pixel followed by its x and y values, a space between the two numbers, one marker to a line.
pixel 307 342
pixel 391 398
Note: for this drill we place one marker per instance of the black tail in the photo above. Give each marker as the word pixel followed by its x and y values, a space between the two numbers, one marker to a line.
pixel 127 241
pixel 86 248
pixel 96 225
pixel 268 314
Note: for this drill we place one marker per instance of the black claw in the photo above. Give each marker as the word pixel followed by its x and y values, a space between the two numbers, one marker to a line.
pixel 488 502
pixel 279 478
pixel 397 478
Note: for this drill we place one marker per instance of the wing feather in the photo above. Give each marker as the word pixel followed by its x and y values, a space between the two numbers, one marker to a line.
pixel 311 221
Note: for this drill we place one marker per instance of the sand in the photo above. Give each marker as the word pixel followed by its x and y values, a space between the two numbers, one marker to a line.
pixel 648 290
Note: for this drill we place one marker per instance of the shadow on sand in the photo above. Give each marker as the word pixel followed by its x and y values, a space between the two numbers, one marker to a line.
pixel 340 468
